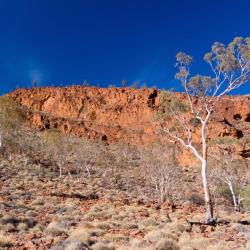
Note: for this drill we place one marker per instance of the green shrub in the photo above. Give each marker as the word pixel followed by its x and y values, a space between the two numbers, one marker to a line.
pixel 224 191
pixel 245 194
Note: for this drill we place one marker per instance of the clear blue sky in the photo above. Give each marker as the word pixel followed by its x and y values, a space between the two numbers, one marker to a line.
pixel 68 41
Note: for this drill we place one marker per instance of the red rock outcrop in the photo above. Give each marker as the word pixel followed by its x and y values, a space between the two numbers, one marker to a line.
pixel 126 114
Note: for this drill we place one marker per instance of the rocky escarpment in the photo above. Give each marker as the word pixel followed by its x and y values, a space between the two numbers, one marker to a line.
pixel 121 114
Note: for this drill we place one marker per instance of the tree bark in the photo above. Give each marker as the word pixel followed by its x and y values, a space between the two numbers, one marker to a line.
pixel 60 170
pixel 209 217
pixel 236 206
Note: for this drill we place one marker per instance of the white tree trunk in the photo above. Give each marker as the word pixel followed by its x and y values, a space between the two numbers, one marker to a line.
pixel 60 170
pixel 236 206
pixel 208 201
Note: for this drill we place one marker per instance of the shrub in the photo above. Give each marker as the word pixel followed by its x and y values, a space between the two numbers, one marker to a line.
pixel 82 235
pixel 147 223
pixel 6 241
pixel 103 246
pixel 165 244
pixel 103 225
pixel 22 226
pixel 224 191
pixel 75 245
pixel 11 117
pixel 55 229
pixel 196 199
pixel 7 219
pixel 154 236
pixel 245 194
pixel 8 227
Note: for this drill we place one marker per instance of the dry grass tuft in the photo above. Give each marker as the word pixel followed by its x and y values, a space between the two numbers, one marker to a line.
pixel 6 241
pixel 55 229
pixel 166 244
pixel 103 246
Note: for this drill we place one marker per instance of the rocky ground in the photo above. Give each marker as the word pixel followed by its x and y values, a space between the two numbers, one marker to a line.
pixel 38 210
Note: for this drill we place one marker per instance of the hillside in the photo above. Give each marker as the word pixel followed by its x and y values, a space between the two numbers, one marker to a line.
pixel 125 114
pixel 88 168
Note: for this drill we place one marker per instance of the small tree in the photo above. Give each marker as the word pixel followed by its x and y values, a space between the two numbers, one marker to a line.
pixel 135 85
pixel 59 147
pixel 34 83
pixel 84 156
pixel 124 83
pixel 230 67
pixel 162 172
pixel 230 171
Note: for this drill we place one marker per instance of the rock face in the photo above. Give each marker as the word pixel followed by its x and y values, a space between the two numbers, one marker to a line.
pixel 121 114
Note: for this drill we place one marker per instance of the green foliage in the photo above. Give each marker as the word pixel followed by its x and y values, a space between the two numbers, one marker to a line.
pixel 245 194
pixel 183 62
pixel 184 59
pixel 52 137
pixel 194 122
pixel 200 84
pixel 11 119
pixel 58 145
pixel 169 104
pixel 224 191
pixel 232 61
pixel 11 115
pixel 135 85
pixel 223 140
pixel 82 109
pixel 228 57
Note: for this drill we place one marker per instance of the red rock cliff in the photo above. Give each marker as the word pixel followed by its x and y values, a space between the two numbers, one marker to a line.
pixel 113 114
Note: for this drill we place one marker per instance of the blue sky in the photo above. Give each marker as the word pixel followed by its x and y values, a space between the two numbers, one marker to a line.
pixel 68 41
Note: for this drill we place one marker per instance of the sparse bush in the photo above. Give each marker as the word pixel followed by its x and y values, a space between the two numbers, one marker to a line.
pixel 165 244
pixel 8 228
pixel 55 229
pixel 22 226
pixel 103 225
pixel 148 222
pixel 245 195
pixel 75 245
pixel 154 236
pixel 230 172
pixel 116 237
pixel 196 199
pixel 224 191
pixel 103 246
pixel 11 117
pixel 7 219
pixel 6 241
pixel 82 235
pixel 162 172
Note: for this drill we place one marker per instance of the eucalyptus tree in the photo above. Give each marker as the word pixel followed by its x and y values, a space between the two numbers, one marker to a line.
pixel 230 68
